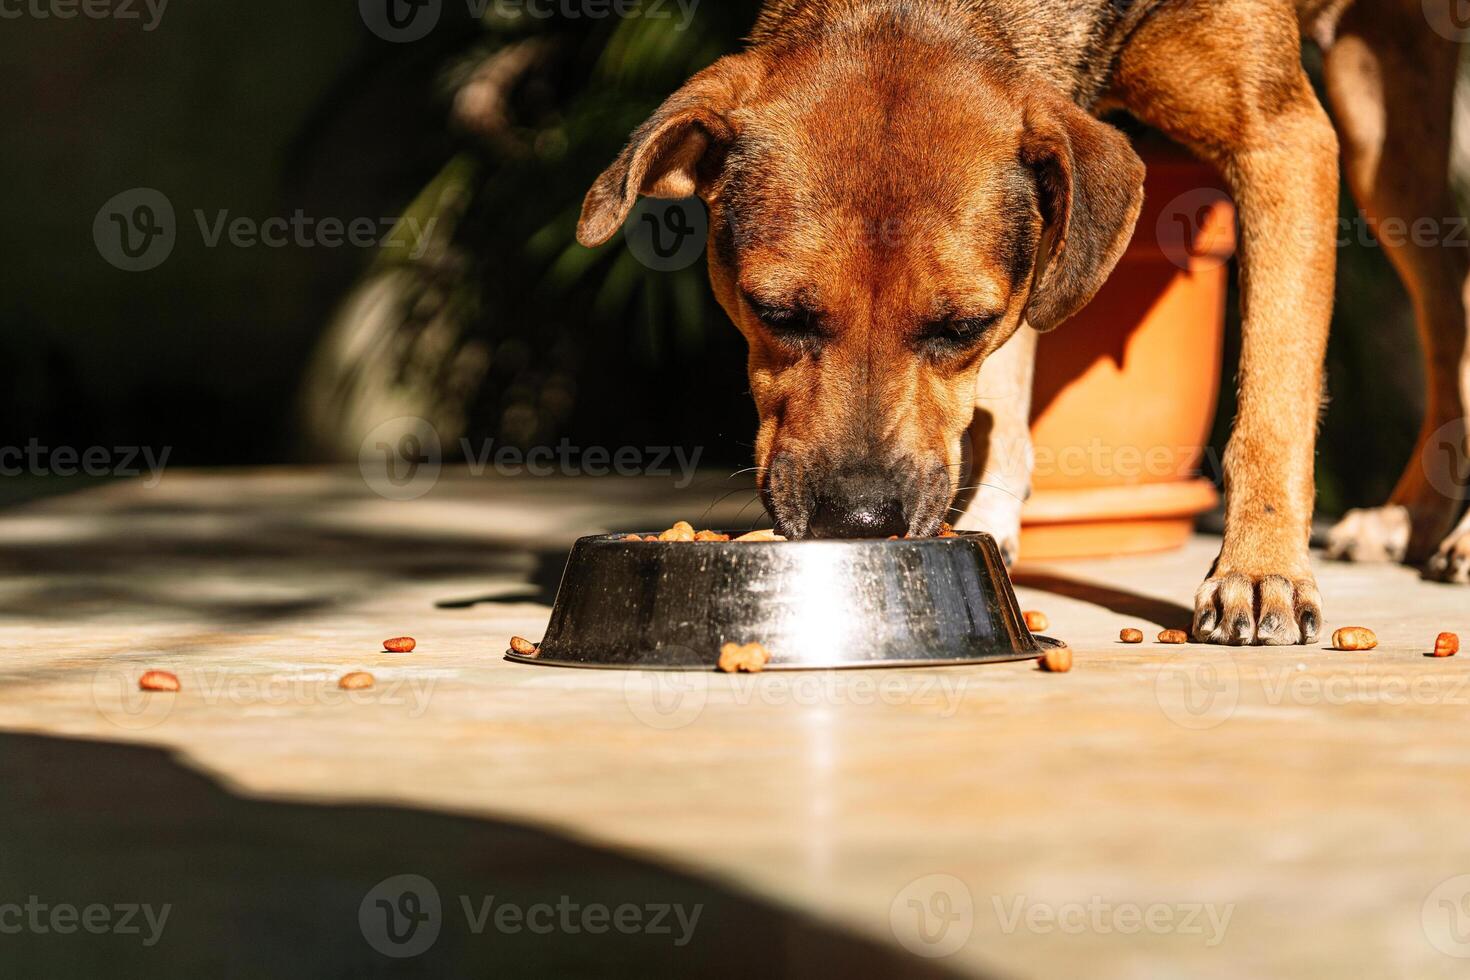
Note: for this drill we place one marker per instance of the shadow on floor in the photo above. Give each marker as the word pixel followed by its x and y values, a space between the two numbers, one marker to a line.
pixel 266 889
pixel 540 585
pixel 1169 615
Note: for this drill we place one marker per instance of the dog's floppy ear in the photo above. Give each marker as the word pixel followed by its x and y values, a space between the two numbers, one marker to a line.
pixel 666 156
pixel 1090 187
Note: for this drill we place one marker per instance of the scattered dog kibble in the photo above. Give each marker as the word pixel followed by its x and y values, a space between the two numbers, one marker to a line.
pixel 158 680
pixel 749 659
pixel 358 680
pixel 1057 661
pixel 1354 638
pixel 763 535
pixel 1036 621
pixel 400 644
pixel 1173 636
pixel 1131 636
pixel 1446 645
pixel 523 647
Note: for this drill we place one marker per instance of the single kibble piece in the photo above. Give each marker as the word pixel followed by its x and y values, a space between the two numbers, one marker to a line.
pixel 358 680
pixel 682 531
pixel 750 658
pixel 1354 638
pixel 158 680
pixel 1446 645
pixel 1057 661
pixel 523 647
pixel 631 537
pixel 400 644
pixel 1036 621
pixel 1173 636
pixel 1131 636
pixel 711 536
pixel 947 531
pixel 765 535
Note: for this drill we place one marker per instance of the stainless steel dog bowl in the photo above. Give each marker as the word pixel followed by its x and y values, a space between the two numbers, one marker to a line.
pixel 812 604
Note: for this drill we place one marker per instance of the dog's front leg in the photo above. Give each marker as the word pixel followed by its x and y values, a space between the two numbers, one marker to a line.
pixel 1261 588
pixel 1253 114
pixel 1000 442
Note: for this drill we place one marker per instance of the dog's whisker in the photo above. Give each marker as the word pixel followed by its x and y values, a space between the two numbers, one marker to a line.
pixel 742 511
pixel 724 497
pixel 993 486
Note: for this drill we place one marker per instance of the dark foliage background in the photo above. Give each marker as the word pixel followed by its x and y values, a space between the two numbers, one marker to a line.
pixel 503 327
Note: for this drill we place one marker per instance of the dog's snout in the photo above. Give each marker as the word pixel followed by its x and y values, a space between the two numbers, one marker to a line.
pixel 881 519
pixel 854 509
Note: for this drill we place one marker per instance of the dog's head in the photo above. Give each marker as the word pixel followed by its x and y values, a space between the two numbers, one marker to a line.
pixel 884 214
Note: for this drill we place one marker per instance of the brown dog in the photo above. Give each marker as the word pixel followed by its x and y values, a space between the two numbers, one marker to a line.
pixel 897 189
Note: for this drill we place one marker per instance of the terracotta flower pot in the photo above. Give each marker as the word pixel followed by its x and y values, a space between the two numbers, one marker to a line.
pixel 1125 392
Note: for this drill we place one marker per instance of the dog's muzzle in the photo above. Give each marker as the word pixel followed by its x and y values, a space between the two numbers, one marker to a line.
pixel 863 500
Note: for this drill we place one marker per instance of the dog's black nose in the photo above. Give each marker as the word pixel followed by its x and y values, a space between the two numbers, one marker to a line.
pixel 863 518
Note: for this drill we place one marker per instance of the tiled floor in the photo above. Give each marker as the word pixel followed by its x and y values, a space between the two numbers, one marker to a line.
pixel 1160 811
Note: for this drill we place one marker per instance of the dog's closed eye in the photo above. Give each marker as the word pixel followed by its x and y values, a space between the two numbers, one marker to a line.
pixel 952 336
pixel 792 324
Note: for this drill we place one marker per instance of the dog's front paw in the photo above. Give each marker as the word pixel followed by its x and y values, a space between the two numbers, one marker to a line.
pixel 1376 534
pixel 1451 563
pixel 1244 608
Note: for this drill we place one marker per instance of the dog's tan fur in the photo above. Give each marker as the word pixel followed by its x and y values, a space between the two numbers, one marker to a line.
pixel 897 188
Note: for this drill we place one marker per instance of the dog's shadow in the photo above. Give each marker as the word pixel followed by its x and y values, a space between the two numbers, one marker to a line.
pixel 1168 615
